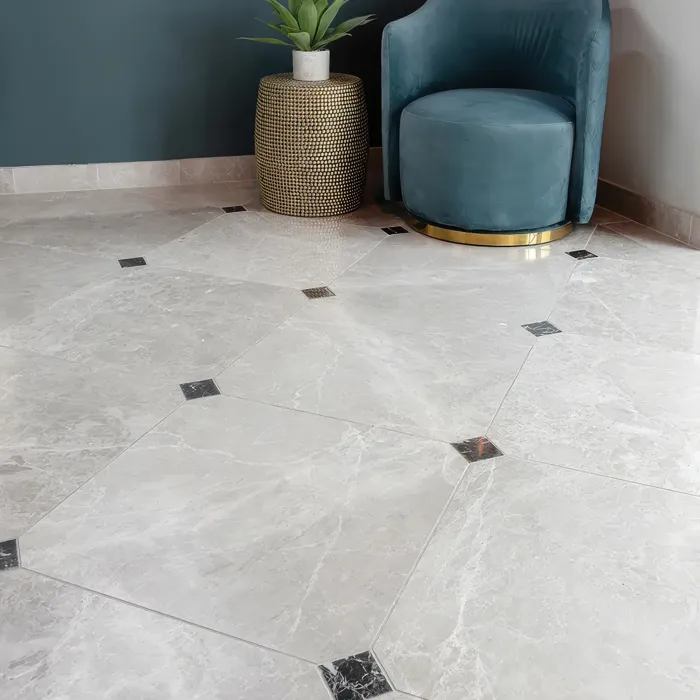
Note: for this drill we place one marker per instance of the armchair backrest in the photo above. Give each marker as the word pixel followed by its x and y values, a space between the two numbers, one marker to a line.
pixel 528 44
pixel 556 46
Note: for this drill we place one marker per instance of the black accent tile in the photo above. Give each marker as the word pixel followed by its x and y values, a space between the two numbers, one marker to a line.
pixel 9 555
pixel 132 262
pixel 391 230
pixel 541 328
pixel 198 390
pixel 234 210
pixel 582 254
pixel 476 449
pixel 355 678
pixel 318 292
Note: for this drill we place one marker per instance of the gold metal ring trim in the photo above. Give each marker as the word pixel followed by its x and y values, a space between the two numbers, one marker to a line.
pixel 519 238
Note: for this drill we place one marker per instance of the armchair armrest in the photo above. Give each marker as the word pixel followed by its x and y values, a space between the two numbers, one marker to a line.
pixel 591 91
pixel 413 65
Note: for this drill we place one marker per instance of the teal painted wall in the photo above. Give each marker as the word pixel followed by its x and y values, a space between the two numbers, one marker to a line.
pixel 85 81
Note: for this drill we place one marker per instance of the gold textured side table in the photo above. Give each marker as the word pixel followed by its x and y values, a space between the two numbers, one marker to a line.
pixel 311 144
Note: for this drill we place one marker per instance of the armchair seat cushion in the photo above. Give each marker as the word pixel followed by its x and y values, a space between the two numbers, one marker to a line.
pixel 487 159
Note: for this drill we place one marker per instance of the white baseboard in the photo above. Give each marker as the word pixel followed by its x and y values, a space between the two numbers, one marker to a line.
pixel 106 176
pixel 677 223
pixel 158 173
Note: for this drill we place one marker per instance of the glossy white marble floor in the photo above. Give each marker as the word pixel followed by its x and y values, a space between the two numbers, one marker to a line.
pixel 311 532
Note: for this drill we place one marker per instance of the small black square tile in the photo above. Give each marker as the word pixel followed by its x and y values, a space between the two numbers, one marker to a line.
pixel 391 230
pixel 234 210
pixel 132 262
pixel 541 328
pixel 9 555
pixel 582 254
pixel 355 678
pixel 476 449
pixel 198 390
pixel 318 292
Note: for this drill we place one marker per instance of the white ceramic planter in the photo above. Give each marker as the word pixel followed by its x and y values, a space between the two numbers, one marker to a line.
pixel 311 65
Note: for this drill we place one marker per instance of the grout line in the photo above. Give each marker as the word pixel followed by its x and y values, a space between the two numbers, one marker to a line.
pixel 417 561
pixel 383 669
pixel 366 426
pixel 37 354
pixel 170 617
pixel 245 352
pixel 99 471
pixel 359 260
pixel 510 388
pixel 192 231
pixel 605 476
pixel 411 695
pixel 527 357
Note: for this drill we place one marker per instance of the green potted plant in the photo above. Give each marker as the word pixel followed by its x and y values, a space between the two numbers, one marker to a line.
pixel 306 25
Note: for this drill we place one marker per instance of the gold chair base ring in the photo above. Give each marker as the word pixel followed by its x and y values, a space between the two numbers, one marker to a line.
pixel 488 238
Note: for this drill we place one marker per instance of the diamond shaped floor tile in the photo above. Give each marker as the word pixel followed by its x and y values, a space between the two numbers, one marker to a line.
pixel 200 389
pixel 9 554
pixel 477 449
pixel 541 328
pixel 356 677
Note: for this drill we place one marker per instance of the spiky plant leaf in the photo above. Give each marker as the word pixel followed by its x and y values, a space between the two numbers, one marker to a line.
pixel 284 14
pixel 294 6
pixel 328 40
pixel 326 18
pixel 321 7
pixel 302 40
pixel 350 24
pixel 266 40
pixel 308 18
pixel 281 28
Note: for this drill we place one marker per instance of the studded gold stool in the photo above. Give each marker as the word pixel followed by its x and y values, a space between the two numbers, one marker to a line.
pixel 311 144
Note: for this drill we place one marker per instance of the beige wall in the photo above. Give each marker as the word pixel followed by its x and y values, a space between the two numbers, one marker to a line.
pixel 651 143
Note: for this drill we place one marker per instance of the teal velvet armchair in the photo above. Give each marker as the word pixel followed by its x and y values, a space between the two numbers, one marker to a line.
pixel 493 111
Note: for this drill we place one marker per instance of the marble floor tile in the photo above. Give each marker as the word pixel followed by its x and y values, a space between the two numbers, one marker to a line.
pixel 414 282
pixel 605 406
pixel 107 235
pixel 32 279
pixel 373 214
pixel 412 260
pixel 15 207
pixel 547 583
pixel 145 199
pixel 291 511
pixel 59 641
pixel 63 422
pixel 350 358
pixel 265 247
pixel 603 216
pixel 639 301
pixel 179 325
pixel 632 241
pixel 283 528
